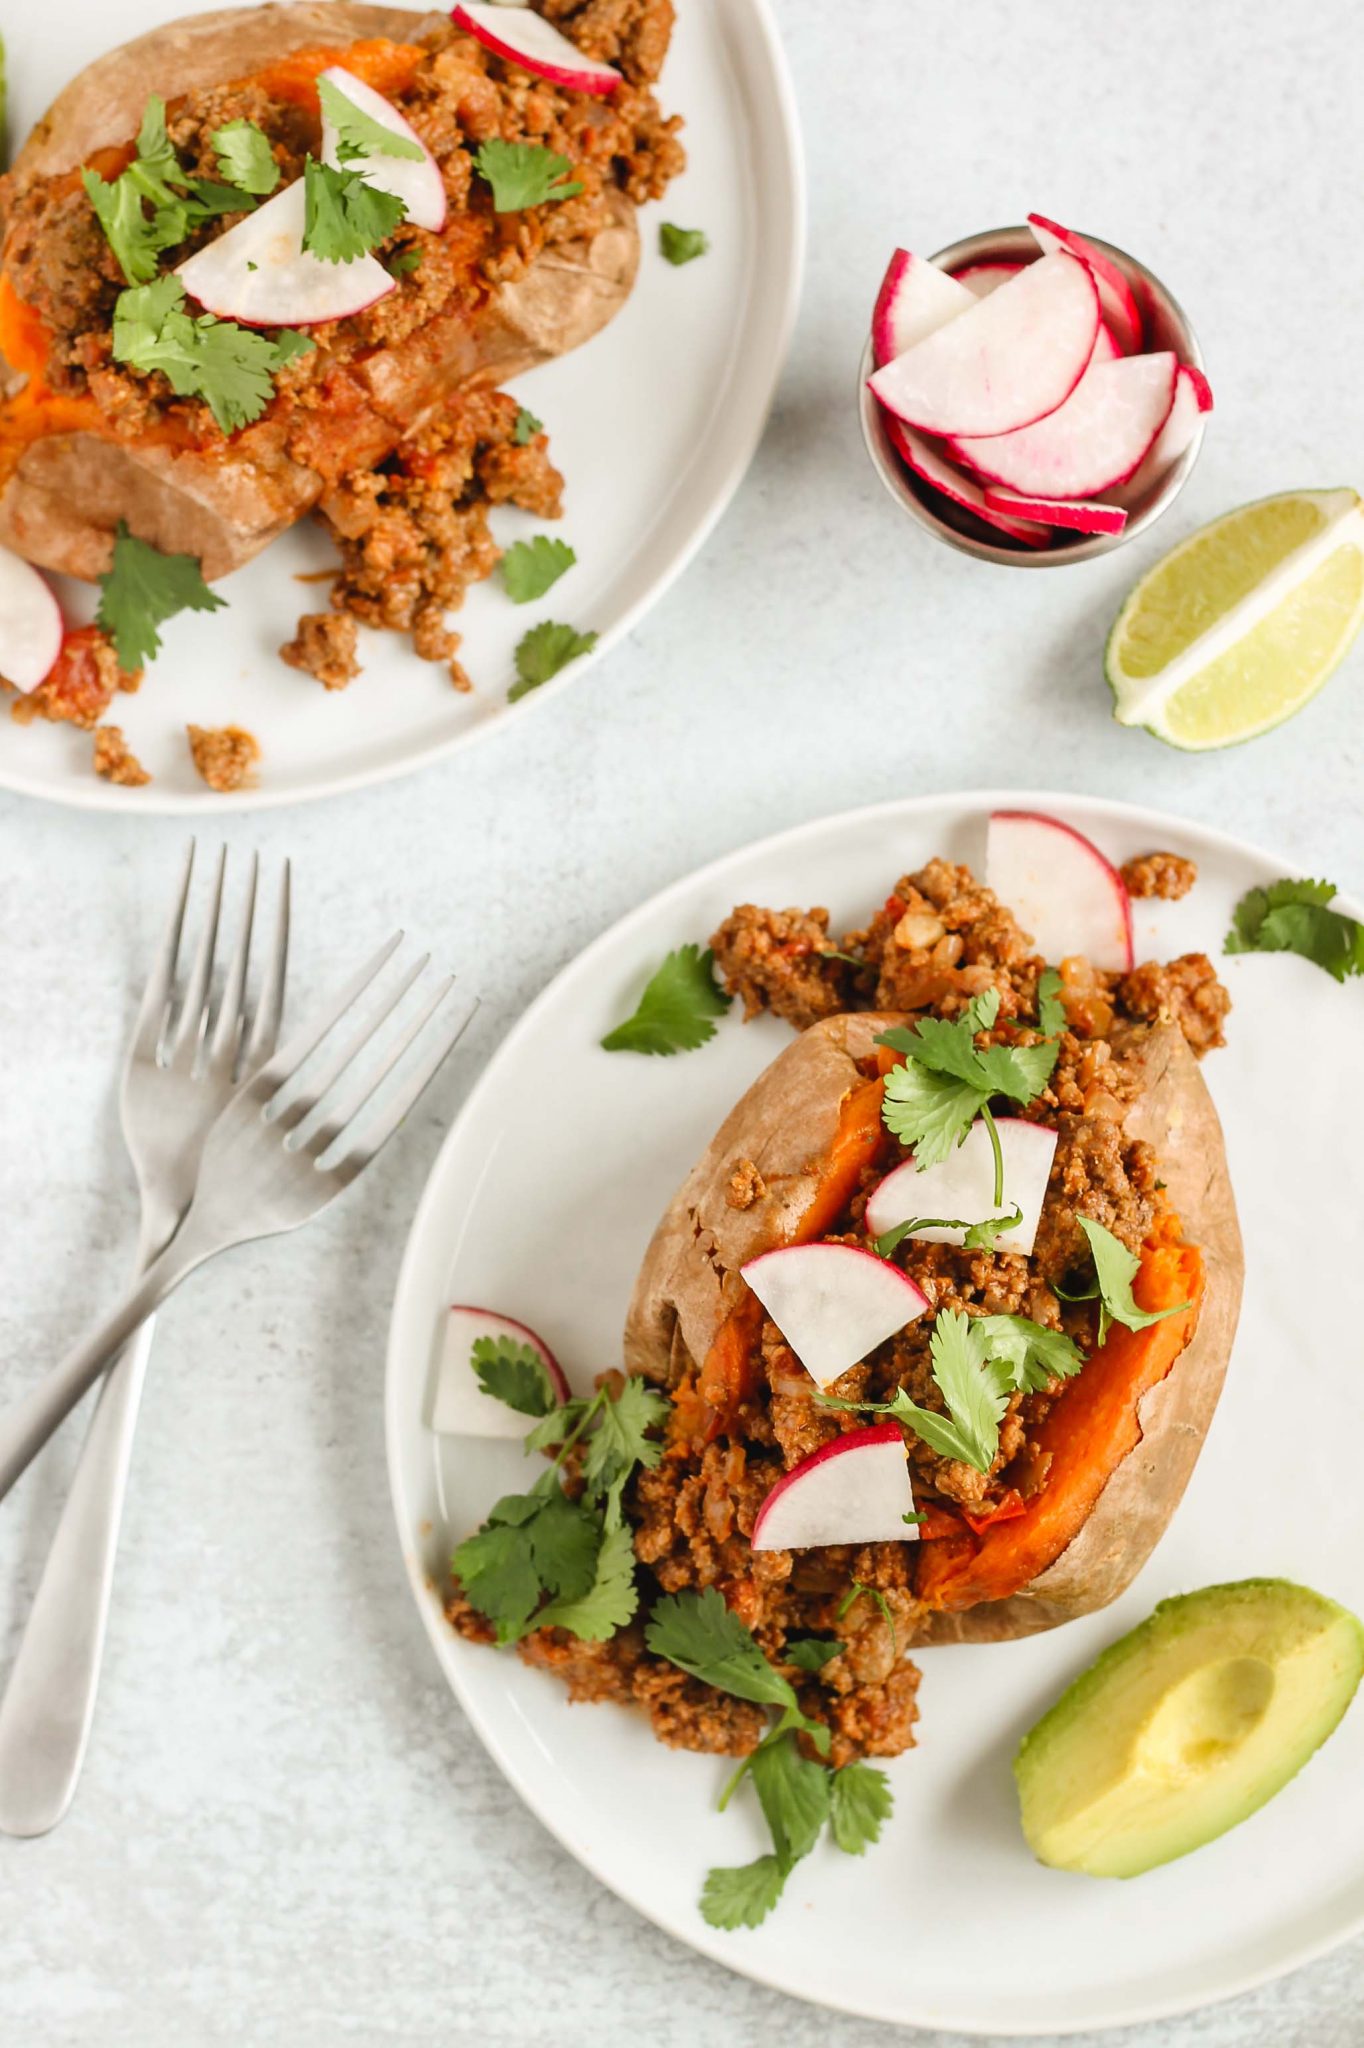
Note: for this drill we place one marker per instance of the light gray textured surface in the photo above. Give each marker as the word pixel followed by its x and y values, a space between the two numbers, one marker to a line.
pixel 285 1833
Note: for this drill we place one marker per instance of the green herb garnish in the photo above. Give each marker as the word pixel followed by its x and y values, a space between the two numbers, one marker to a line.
pixel 245 158
pixel 513 1373
pixel 810 1653
pixel 523 174
pixel 526 427
pixel 345 217
pixel 531 567
pixel 141 589
pixel 682 245
pixel 155 178
pixel 543 651
pixel 979 1236
pixel 946 1082
pixel 1295 917
pixel 675 1012
pixel 1051 1011
pixel 231 368
pixel 405 262
pixel 358 134
pixel 1115 1268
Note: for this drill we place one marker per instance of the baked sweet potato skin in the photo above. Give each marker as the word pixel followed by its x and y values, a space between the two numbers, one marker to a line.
pixel 785 1125
pixel 62 499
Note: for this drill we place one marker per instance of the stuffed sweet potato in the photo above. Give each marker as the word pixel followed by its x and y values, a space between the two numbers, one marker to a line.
pixel 87 442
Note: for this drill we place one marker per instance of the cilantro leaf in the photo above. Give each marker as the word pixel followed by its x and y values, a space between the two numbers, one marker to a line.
pixel 682 245
pixel 808 1653
pixel 1018 1071
pixel 526 427
pixel 860 1802
pixel 975 1387
pixel 405 262
pixel 931 1101
pixel 141 589
pixel 744 1894
pixel 1033 1354
pixel 497 1571
pixel 1115 1268
pixel 245 157
pixel 136 238
pixel 608 1603
pixel 344 216
pixel 1294 917
pixel 674 1013
pixel 231 368
pixel 531 567
pixel 514 1374
pixel 155 165
pixel 358 134
pixel 793 1794
pixel 928 1111
pixel 1051 1011
pixel 559 1424
pixel 698 1633
pixel 543 651
pixel 523 174
pixel 564 1541
pixel 619 1442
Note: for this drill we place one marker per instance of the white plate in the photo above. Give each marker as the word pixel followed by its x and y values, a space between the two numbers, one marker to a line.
pixel 541 1203
pixel 653 425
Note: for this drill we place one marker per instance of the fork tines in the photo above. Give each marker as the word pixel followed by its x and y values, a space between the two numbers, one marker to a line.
pixel 184 1021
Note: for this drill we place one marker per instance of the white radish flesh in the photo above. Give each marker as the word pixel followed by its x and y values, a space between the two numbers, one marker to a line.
pixel 963 1186
pixel 925 461
pixel 1116 296
pixel 528 40
pixel 460 1406
pixel 1062 890
pixel 853 1490
pixel 417 182
pixel 915 299
pixel 981 279
pixel 1088 445
pixel 1011 359
pixel 30 623
pixel 1193 397
pixel 833 1303
pixel 260 274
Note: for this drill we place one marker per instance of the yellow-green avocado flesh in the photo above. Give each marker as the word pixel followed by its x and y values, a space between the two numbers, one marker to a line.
pixel 1186 1726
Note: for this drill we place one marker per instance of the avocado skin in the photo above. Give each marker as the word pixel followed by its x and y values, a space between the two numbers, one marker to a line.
pixel 1186 1726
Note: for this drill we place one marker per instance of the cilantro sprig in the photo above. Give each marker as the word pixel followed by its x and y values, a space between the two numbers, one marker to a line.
pixel 141 589
pixel 1115 1268
pixel 979 1236
pixel 531 567
pixel 358 134
pixel 977 1363
pixel 523 174
pixel 798 1796
pixel 179 202
pixel 525 427
pixel 543 651
pixel 345 217
pixel 231 368
pixel 514 1374
pixel 1296 917
pixel 682 245
pixel 676 1010
pixel 947 1081
pixel 245 158
pixel 543 1560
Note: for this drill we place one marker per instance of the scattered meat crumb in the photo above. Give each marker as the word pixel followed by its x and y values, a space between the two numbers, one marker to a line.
pixel 324 646
pixel 225 755
pixel 115 759
pixel 1167 875
pixel 746 1185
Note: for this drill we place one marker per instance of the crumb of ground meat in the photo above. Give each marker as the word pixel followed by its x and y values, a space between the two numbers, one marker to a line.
pixel 459 676
pixel 224 755
pixel 81 685
pixel 115 759
pixel 324 646
pixel 779 960
pixel 940 938
pixel 1186 991
pixel 631 34
pixel 1167 875
pixel 746 1185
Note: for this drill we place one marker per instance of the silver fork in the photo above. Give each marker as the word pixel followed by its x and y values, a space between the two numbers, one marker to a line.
pixel 282 1150
pixel 186 1057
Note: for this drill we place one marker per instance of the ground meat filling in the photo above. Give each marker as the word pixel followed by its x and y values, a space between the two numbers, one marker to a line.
pixel 225 756
pixel 1167 875
pixel 115 761
pixel 81 684
pixel 324 646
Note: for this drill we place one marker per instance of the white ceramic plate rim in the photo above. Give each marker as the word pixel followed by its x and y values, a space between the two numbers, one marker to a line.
pixel 734 432
pixel 691 1929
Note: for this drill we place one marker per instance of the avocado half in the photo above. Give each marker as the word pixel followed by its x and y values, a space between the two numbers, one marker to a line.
pixel 1187 1726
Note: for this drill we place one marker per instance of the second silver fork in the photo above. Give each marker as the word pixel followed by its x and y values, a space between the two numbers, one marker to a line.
pixel 186 1057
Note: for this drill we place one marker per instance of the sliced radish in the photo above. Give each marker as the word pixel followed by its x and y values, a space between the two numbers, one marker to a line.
pixel 1116 296
pixel 854 1490
pixel 1080 515
pixel 260 273
pixel 417 183
pixel 30 623
pixel 833 1303
pixel 529 40
pixel 460 1406
pixel 1011 359
pixel 923 458
pixel 1193 397
pixel 915 299
pixel 963 1185
pixel 1060 888
pixel 981 279
pixel 1091 443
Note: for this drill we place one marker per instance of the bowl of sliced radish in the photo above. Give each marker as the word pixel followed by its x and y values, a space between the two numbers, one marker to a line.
pixel 1031 395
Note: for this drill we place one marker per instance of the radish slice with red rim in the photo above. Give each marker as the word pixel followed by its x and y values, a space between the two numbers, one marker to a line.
pixel 1193 398
pixel 525 38
pixel 1118 300
pixel 833 1303
pixel 980 279
pixel 1078 515
pixel 915 299
pixel 1066 895
pixel 30 623
pixel 460 1406
pixel 416 181
pixel 260 273
pixel 924 459
pixel 1012 358
pixel 853 1490
pixel 963 1186
pixel 1088 445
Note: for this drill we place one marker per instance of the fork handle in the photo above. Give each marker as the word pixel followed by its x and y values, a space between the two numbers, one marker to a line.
pixel 49 1701
pixel 26 1427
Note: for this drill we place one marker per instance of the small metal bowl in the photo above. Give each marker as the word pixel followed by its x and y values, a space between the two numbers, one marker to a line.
pixel 1166 326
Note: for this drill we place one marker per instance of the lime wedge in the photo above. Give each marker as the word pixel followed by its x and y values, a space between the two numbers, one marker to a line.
pixel 1239 626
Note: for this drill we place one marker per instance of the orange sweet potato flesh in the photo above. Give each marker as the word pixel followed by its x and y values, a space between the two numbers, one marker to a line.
pixel 1088 1432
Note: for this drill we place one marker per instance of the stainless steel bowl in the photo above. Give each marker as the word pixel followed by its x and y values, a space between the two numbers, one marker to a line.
pixel 1166 326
